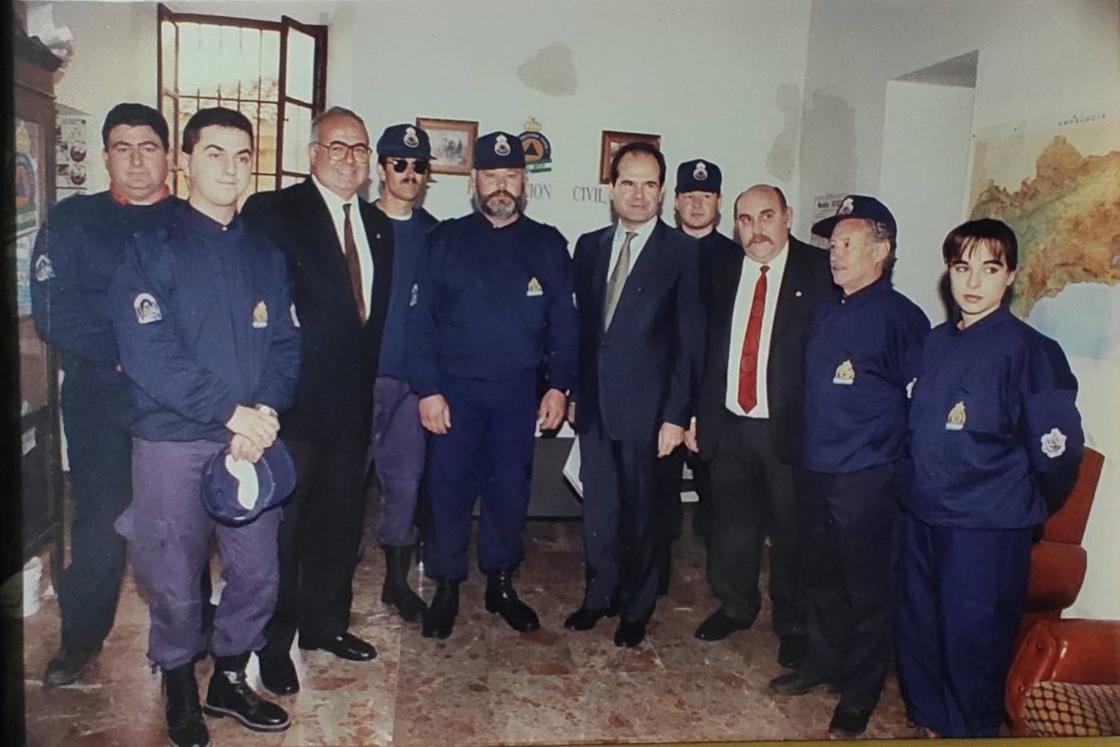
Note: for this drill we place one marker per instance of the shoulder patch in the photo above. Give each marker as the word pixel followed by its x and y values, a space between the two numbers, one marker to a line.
pixel 1054 443
pixel 146 308
pixel 44 271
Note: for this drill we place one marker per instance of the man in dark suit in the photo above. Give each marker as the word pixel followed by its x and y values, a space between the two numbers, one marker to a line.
pixel 339 250
pixel 749 414
pixel 641 336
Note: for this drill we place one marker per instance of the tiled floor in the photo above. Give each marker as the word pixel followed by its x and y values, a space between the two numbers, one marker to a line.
pixel 486 685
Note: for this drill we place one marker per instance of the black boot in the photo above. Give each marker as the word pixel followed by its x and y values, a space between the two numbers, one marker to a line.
pixel 440 619
pixel 502 599
pixel 230 695
pixel 396 590
pixel 185 725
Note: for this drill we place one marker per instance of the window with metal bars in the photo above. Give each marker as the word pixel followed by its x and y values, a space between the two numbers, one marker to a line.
pixel 272 72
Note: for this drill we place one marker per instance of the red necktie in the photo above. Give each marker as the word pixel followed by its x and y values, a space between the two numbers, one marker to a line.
pixel 748 361
pixel 352 264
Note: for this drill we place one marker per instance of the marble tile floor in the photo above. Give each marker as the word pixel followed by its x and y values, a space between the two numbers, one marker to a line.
pixel 485 685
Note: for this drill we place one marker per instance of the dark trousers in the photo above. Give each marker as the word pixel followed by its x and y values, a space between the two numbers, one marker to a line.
pixel 620 527
pixel 320 539
pixel 487 453
pixel 846 540
pixel 668 512
pixel 99 450
pixel 753 497
pixel 959 598
pixel 169 535
pixel 397 448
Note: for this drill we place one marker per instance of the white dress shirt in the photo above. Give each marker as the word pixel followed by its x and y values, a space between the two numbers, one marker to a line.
pixel 636 244
pixel 338 217
pixel 748 277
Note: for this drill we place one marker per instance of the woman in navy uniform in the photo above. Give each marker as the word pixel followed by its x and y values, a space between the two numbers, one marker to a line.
pixel 996 440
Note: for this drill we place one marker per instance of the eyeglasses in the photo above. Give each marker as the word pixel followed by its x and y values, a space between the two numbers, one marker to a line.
pixel 337 151
pixel 400 165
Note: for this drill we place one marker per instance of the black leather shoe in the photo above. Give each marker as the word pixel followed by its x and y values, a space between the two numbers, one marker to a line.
pixel 503 600
pixel 629 634
pixel 440 620
pixel 344 646
pixel 185 725
pixel 848 723
pixel 585 619
pixel 230 695
pixel 718 626
pixel 799 683
pixel 67 665
pixel 791 651
pixel 278 674
pixel 396 592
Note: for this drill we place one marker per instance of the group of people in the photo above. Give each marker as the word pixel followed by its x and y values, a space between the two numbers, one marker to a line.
pixel 899 474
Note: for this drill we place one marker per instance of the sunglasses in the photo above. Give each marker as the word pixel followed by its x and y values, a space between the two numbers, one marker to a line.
pixel 400 165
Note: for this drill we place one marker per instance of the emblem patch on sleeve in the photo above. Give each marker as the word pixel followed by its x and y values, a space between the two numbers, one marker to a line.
pixel 44 271
pixel 415 296
pixel 146 308
pixel 845 374
pixel 534 288
pixel 957 418
pixel 1054 443
pixel 260 315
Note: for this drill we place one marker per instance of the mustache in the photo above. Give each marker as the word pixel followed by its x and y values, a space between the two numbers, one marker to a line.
pixel 499 192
pixel 758 239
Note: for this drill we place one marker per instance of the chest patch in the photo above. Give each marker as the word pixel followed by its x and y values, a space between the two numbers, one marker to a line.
pixel 44 271
pixel 845 374
pixel 260 315
pixel 146 308
pixel 414 296
pixel 534 288
pixel 957 417
pixel 910 388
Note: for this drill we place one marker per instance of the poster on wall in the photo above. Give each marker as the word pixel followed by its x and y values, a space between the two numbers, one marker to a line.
pixel 824 206
pixel 25 243
pixel 1056 182
pixel 28 179
pixel 71 156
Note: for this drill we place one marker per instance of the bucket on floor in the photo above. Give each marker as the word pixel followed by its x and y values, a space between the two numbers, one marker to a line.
pixel 19 595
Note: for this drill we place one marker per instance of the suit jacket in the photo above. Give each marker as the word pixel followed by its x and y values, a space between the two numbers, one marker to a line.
pixel 644 370
pixel 339 353
pixel 806 284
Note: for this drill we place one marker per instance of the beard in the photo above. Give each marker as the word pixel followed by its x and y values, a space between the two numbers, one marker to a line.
pixel 498 208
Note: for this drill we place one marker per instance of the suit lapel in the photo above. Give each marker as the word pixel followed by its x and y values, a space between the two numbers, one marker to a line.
pixel 321 235
pixel 643 270
pixel 600 266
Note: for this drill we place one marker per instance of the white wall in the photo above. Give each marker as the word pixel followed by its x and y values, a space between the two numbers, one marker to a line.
pixel 1036 57
pixel 718 79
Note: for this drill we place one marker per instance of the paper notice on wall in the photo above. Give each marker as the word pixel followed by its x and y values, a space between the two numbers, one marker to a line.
pixel 825 206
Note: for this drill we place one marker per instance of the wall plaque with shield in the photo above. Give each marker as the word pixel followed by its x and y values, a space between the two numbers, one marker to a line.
pixel 610 144
pixel 452 143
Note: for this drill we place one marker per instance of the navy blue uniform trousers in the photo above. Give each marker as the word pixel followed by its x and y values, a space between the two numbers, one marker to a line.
pixel 960 596
pixel 846 524
pixel 99 450
pixel 487 453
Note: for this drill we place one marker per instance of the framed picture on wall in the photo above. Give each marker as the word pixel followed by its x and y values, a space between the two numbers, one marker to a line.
pixel 612 141
pixel 452 143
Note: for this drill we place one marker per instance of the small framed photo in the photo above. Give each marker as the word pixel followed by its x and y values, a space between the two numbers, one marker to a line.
pixel 612 141
pixel 452 143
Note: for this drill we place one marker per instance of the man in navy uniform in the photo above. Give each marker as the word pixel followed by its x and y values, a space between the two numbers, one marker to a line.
pixel 862 352
pixel 202 313
pixel 760 304
pixel 493 303
pixel 641 339
pixel 76 252
pixel 397 441
pixel 339 251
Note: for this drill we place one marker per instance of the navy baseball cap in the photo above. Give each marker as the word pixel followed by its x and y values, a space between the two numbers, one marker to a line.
pixel 499 150
pixel 699 175
pixel 857 206
pixel 404 141
pixel 236 491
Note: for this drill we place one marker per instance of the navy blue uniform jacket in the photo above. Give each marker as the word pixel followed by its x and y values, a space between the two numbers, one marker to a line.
pixel 863 351
pixel 203 318
pixel 491 303
pixel 645 369
pixel 994 429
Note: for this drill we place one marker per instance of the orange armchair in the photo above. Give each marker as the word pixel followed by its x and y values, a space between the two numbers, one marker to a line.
pixel 1058 560
pixel 1065 679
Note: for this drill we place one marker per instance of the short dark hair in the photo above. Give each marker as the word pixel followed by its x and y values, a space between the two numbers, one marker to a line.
pixel 135 115
pixel 995 234
pixel 638 147
pixel 216 116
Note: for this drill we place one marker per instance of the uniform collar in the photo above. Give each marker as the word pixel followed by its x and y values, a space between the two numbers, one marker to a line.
pixel 867 293
pixel 208 228
pixel 122 199
pixel 996 319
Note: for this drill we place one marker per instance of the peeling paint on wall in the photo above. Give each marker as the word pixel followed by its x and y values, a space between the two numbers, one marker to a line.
pixel 550 71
